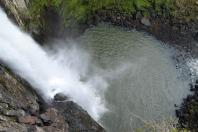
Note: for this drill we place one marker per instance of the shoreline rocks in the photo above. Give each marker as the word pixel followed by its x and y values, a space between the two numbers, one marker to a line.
pixel 173 32
pixel 188 111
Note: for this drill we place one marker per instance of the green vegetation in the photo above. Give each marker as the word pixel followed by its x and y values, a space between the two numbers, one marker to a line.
pixel 80 10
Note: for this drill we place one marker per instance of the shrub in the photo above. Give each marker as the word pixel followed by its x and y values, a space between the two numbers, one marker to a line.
pixel 81 9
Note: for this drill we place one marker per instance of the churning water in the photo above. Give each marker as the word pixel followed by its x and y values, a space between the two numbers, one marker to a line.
pixel 143 82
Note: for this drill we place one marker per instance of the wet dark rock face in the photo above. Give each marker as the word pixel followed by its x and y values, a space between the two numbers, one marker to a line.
pixel 16 100
pixel 60 97
pixel 196 36
pixel 23 110
pixel 188 111
pixel 77 118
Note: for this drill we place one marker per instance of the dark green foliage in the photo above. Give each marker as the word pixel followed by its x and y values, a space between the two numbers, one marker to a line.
pixel 80 9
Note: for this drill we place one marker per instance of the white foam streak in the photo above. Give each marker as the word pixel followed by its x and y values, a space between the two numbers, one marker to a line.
pixel 193 65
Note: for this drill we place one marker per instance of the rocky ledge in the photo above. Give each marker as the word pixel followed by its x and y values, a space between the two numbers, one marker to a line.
pixel 23 110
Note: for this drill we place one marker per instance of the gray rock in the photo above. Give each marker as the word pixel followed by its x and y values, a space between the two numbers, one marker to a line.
pixel 46 119
pixel 3 106
pixel 77 118
pixel 60 97
pixel 12 127
pixel 4 118
pixel 15 113
pixel 15 93
pixel 196 36
pixel 138 15
pixel 145 21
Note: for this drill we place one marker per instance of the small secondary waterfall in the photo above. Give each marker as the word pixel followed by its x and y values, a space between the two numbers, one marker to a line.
pixel 51 72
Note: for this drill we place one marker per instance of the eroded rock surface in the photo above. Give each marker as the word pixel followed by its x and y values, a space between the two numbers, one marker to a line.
pixel 16 100
pixel 18 9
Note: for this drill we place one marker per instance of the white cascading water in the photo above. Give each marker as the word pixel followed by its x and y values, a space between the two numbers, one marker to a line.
pixel 193 65
pixel 49 74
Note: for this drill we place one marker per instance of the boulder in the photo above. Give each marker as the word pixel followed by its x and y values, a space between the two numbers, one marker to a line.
pixel 145 21
pixel 77 118
pixel 60 97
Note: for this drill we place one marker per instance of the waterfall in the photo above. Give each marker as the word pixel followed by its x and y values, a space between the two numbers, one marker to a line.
pixel 51 72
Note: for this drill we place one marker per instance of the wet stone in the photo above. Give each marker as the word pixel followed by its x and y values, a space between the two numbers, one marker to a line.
pixel 60 97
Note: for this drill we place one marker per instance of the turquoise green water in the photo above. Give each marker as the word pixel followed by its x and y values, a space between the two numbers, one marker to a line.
pixel 143 81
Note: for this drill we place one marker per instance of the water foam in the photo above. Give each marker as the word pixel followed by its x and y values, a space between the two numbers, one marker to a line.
pixel 193 65
pixel 51 72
